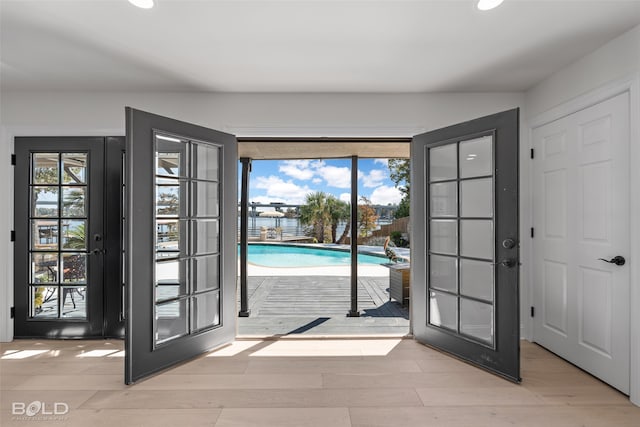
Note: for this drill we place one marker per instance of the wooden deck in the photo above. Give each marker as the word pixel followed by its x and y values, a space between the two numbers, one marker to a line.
pixel 317 305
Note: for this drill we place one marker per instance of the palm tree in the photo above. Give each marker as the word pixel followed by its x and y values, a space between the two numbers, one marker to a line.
pixel 338 211
pixel 315 213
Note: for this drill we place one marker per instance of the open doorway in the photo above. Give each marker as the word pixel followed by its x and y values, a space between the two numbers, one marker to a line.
pixel 300 279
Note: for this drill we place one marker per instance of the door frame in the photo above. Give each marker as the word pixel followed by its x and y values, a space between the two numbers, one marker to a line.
pixel 92 324
pixel 112 325
pixel 630 84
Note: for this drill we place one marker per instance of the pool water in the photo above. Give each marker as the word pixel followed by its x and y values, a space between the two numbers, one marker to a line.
pixel 302 256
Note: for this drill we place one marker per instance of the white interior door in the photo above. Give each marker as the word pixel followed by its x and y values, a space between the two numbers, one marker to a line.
pixel 581 218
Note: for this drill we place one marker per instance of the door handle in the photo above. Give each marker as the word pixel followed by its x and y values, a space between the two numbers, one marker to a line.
pixel 507 262
pixel 617 260
pixel 509 243
pixel 98 251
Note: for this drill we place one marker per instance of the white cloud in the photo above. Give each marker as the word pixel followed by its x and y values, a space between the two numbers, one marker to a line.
pixel 298 169
pixel 345 197
pixel 278 190
pixel 316 180
pixel 384 195
pixel 335 176
pixel 384 162
pixel 374 178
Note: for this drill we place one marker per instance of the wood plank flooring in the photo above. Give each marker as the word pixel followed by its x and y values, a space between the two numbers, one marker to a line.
pixel 302 382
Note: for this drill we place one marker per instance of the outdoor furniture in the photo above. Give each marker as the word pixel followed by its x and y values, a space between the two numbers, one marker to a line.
pixel 399 282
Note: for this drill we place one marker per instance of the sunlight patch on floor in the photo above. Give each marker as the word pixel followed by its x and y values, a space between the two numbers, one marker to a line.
pixel 97 353
pixel 234 348
pixel 320 348
pixel 22 354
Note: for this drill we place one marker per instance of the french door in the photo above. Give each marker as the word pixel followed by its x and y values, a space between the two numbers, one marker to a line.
pixel 465 241
pixel 62 288
pixel 181 244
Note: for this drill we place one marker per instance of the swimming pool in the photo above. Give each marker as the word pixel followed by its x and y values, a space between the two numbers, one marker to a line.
pixel 303 256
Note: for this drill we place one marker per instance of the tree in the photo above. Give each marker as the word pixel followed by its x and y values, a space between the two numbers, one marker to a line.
pixel 324 212
pixel 315 213
pixel 338 211
pixel 400 174
pixel 366 217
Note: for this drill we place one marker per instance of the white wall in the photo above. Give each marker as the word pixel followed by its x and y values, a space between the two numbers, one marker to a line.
pixel 101 113
pixel 617 59
pixel 613 67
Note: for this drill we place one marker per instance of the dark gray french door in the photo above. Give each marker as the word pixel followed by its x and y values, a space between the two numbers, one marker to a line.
pixel 181 223
pixel 465 241
pixel 67 250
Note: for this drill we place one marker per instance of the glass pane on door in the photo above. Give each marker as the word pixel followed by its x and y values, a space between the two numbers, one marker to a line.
pixel 58 220
pixel 461 238
pixel 187 237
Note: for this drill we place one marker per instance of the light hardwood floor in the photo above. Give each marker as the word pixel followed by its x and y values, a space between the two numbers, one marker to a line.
pixel 296 382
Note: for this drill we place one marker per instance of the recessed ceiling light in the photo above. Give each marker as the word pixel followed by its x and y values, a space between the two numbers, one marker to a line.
pixel 488 4
pixel 143 4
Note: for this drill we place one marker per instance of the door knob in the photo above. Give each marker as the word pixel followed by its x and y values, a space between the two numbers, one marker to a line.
pixel 507 262
pixel 97 251
pixel 508 243
pixel 617 260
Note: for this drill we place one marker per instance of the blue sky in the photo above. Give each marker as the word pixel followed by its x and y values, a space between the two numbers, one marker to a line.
pixel 289 181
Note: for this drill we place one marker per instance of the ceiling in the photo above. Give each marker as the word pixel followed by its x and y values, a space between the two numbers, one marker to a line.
pixel 299 45
pixel 315 148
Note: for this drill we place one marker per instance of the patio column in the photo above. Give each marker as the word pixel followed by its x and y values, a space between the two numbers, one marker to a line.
pixel 354 238
pixel 244 236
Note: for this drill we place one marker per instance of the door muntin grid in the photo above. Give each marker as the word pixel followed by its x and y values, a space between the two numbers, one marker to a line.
pixel 58 241
pixel 461 240
pixel 187 237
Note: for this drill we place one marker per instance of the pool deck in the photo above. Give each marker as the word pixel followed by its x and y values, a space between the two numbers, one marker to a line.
pixel 317 305
pixel 314 301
